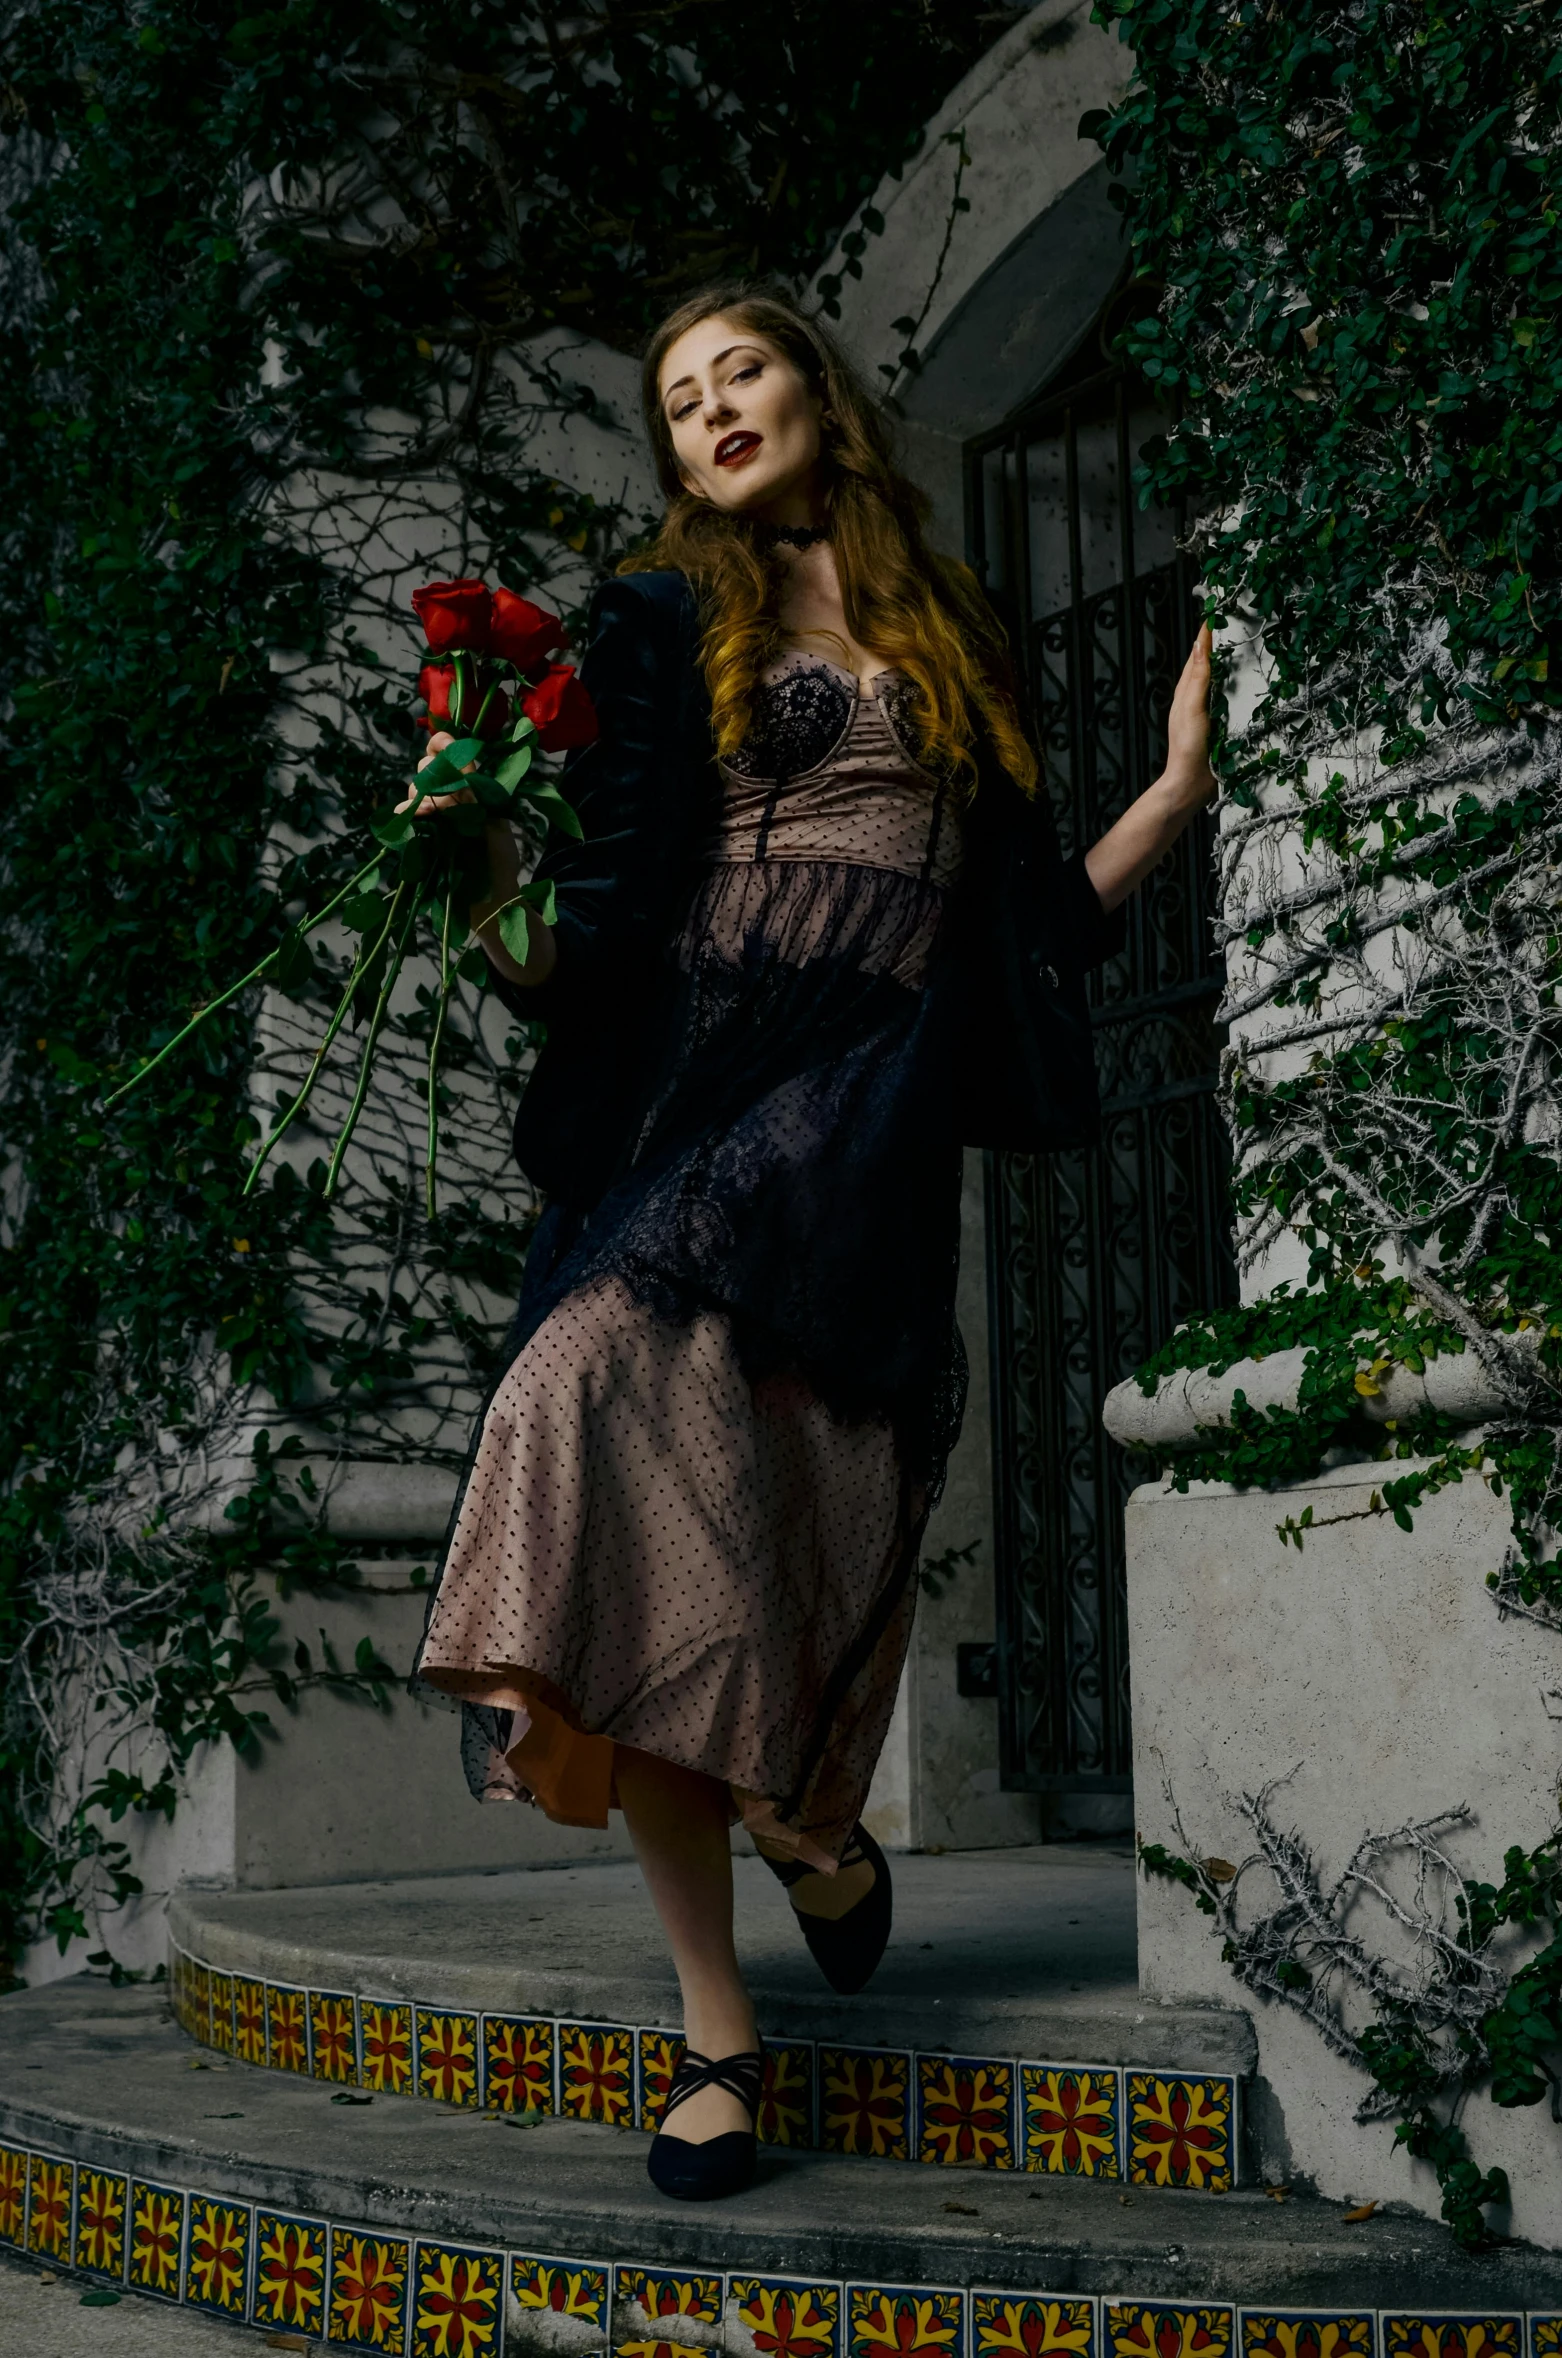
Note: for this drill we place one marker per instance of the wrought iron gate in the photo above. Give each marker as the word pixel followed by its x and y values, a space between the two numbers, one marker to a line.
pixel 1093 1258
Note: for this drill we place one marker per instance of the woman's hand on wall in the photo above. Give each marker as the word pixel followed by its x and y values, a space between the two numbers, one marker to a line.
pixel 504 879
pixel 1145 833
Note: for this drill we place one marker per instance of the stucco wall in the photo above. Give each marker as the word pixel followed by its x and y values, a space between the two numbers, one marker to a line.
pixel 1373 1676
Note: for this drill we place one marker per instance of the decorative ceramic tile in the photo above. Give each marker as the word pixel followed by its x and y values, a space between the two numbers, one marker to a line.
pixel 1545 2335
pixel 1181 2132
pixel 368 2292
pixel 639 2294
pixel 786 2103
pixel 1165 2329
pixel 200 2003
pixel 965 2112
pixel 102 2207
pixel 1463 2333
pixel 13 2196
pixel 385 2030
pixel 865 2102
pixel 570 2288
pixel 290 2262
pixel 457 2302
pixel 249 2019
pixel 898 2320
pixel 216 2265
pixel 222 2011
pixel 1070 2120
pixel 786 2317
pixel 287 2025
pixel 1308 2333
pixel 596 2073
pixel 1032 2325
pixel 447 2056
pixel 178 1997
pixel 50 2185
pixel 517 2064
pixel 660 2053
pixel 333 2036
pixel 156 2239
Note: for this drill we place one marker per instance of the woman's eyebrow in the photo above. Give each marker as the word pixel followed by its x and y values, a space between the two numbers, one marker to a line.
pixel 716 361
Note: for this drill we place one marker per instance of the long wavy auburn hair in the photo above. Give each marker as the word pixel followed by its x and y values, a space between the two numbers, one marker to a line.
pixel 918 610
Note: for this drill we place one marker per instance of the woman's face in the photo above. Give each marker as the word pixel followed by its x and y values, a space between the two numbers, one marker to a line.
pixel 744 424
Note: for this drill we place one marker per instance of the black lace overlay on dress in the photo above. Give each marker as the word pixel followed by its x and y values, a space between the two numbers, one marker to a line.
pixel 799 718
pixel 796 1171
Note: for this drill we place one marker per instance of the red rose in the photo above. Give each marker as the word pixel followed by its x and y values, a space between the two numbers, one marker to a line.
pixel 561 710
pixel 454 614
pixel 436 682
pixel 522 632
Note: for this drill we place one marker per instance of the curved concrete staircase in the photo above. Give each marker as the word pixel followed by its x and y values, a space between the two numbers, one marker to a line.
pixel 411 2118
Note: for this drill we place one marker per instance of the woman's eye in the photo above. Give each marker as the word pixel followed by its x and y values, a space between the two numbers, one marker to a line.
pixel 750 369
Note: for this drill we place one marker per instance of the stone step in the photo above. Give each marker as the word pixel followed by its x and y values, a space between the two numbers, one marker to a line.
pixel 359 2206
pixel 1010 1953
pixel 1002 2027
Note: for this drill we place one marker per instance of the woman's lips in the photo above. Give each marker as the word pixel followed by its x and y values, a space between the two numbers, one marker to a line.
pixel 733 449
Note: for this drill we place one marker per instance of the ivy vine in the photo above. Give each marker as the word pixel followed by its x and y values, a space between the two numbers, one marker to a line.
pixel 1352 210
pixel 287 289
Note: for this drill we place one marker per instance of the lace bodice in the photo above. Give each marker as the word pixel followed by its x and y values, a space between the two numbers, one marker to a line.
pixel 829 771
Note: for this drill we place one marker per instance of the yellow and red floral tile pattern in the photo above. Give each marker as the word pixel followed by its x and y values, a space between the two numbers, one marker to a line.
pixel 1151 2128
pixel 396 2295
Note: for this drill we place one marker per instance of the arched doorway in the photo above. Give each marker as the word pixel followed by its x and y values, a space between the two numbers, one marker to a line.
pixel 1094 1257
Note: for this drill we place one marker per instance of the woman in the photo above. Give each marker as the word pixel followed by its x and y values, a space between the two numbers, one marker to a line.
pixel 818 936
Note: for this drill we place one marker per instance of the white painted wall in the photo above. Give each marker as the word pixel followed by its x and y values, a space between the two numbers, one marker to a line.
pixel 1372 1674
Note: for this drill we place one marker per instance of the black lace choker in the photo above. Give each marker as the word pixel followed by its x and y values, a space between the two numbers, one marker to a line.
pixel 792 536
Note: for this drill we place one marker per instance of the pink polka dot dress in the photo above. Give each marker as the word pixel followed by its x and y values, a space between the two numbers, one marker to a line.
pixel 691 1518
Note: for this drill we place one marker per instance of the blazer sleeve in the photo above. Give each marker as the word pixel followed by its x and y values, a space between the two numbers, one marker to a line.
pixel 613 886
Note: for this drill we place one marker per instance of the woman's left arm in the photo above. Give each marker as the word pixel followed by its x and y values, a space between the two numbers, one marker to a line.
pixel 1145 833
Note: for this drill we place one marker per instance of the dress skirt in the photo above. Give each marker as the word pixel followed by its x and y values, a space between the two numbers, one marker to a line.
pixel 692 1515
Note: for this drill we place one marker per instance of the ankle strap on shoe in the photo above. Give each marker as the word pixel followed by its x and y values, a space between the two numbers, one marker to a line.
pixel 741 2075
pixel 790 1871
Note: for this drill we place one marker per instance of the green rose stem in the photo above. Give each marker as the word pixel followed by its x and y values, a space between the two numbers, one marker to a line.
pixel 361 964
pixel 376 1025
pixel 213 1005
pixel 447 978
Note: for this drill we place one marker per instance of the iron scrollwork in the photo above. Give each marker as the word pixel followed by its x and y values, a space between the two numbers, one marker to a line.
pixel 1094 1257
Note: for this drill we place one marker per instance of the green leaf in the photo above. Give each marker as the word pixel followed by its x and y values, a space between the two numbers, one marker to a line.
pixel 552 804
pixel 364 912
pixel 514 766
pixel 391 828
pixel 514 932
pixel 540 896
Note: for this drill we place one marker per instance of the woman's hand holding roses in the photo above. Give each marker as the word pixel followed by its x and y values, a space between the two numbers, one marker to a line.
pixel 504 879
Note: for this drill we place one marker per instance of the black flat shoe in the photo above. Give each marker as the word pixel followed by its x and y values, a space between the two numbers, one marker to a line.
pixel 722 2165
pixel 847 1948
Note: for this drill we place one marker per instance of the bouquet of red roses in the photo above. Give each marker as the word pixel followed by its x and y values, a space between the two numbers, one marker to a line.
pixel 490 683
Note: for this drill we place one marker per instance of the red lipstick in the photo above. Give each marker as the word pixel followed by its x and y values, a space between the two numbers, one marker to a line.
pixel 732 449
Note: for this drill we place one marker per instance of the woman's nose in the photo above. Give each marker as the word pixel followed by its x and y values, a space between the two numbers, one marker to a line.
pixel 717 407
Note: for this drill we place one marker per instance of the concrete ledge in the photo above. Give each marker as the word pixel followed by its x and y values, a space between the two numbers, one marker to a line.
pixel 1373 1676
pixel 1021 1953
pixel 100 2076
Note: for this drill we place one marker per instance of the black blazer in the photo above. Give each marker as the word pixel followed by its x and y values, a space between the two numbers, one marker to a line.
pixel 1025 924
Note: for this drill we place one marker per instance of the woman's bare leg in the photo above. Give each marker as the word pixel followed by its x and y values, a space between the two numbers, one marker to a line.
pixel 679 1822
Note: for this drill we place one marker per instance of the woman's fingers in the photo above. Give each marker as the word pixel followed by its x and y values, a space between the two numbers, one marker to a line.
pixel 437 802
pixel 1187 728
